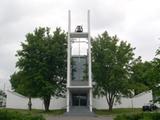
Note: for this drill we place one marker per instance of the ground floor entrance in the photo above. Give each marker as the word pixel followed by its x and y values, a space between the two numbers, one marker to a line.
pixel 79 99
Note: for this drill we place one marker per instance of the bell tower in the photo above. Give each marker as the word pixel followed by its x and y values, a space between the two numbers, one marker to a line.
pixel 79 72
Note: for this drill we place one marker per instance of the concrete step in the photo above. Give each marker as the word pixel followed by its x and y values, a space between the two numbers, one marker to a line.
pixel 79 111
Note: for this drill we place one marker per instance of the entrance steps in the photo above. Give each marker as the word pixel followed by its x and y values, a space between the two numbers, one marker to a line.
pixel 79 111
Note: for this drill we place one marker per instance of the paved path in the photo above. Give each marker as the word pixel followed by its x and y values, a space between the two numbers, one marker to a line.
pixel 76 118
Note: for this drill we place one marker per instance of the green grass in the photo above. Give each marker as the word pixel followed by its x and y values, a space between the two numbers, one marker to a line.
pixel 15 115
pixel 118 111
pixel 115 112
pixel 39 112
pixel 139 116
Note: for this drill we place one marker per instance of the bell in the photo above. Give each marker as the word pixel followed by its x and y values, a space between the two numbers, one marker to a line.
pixel 79 29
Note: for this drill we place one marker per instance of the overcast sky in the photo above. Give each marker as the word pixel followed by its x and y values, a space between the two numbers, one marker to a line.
pixel 137 21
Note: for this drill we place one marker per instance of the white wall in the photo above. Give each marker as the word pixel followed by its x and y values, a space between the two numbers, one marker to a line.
pixel 17 101
pixel 138 101
pixel 58 103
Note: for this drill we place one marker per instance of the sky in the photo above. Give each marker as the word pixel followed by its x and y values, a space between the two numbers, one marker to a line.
pixel 135 21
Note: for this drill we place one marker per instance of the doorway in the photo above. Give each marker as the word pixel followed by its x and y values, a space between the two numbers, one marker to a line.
pixel 79 99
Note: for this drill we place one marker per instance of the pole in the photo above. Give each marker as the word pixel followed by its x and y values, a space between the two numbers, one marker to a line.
pixel 89 61
pixel 68 59
pixel 89 51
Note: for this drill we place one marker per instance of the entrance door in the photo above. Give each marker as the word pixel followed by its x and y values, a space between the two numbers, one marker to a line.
pixel 79 99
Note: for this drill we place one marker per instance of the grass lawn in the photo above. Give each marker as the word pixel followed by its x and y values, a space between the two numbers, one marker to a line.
pixel 115 112
pixel 38 112
pixel 118 111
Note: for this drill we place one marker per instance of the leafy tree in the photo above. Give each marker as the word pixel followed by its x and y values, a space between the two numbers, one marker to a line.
pixel 2 93
pixel 111 67
pixel 156 62
pixel 139 82
pixel 141 72
pixel 146 76
pixel 42 62
pixel 22 83
pixel 3 97
pixel 156 76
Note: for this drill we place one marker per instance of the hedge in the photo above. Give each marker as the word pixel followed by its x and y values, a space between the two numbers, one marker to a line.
pixel 8 115
pixel 139 116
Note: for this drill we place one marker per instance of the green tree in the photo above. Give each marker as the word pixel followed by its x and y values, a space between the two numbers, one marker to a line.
pixel 111 67
pixel 42 61
pixel 3 97
pixel 156 62
pixel 145 76
pixel 140 76
pixel 22 83
pixel 156 77
pixel 139 81
pixel 2 93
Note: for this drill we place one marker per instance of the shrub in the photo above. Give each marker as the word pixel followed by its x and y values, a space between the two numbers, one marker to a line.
pixel 139 116
pixel 7 115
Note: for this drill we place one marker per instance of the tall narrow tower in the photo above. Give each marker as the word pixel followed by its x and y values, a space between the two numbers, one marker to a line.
pixel 79 74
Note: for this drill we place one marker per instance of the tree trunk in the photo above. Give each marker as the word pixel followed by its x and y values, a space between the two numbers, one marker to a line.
pixel 132 104
pixel 110 101
pixel 46 101
pixel 110 106
pixel 30 104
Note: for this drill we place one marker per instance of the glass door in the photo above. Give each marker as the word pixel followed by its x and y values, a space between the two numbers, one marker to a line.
pixel 79 99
